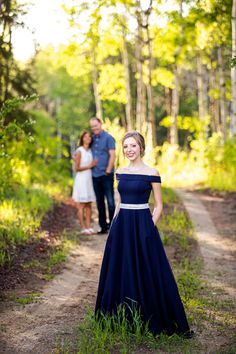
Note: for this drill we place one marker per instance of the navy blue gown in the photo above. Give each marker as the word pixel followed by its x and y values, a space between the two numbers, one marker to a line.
pixel 135 265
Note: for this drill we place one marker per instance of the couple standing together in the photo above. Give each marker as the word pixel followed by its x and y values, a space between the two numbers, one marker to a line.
pixel 135 271
pixel 94 164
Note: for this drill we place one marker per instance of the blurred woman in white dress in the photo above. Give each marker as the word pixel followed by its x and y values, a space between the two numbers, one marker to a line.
pixel 83 192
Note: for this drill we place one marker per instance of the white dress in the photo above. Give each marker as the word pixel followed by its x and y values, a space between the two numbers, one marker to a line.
pixel 83 185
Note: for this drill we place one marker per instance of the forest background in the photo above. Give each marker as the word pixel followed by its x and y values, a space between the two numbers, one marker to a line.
pixel 168 72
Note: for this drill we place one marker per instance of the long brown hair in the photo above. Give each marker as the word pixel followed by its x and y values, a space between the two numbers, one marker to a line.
pixel 82 137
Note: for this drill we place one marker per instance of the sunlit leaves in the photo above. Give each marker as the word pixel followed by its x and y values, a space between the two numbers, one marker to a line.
pixel 14 103
pixel 191 124
pixel 112 84
pixel 110 45
pixel 163 77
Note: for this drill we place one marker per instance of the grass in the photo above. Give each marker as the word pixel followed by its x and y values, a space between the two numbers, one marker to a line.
pixel 58 255
pixel 20 217
pixel 107 334
pixel 175 226
pixel 23 300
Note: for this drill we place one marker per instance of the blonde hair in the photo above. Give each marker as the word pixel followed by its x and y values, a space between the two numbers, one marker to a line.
pixel 138 138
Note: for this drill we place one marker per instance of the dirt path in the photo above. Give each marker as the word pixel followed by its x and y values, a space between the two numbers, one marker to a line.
pixel 34 328
pixel 37 327
pixel 218 251
pixel 217 245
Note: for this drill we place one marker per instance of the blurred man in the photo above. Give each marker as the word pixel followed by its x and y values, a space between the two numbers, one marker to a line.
pixel 103 150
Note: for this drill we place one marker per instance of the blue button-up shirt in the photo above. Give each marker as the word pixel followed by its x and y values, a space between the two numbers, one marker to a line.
pixel 101 145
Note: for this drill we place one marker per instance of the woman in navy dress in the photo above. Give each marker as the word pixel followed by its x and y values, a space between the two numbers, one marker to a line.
pixel 135 268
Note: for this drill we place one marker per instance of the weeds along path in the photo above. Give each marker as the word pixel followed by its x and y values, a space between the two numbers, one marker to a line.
pixel 218 251
pixel 35 327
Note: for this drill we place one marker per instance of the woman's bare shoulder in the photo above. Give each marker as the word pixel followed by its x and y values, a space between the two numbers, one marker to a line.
pixel 120 170
pixel 152 171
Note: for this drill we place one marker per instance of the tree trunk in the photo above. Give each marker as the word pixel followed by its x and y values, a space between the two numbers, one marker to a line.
pixel 201 90
pixel 151 104
pixel 8 65
pixel 95 86
pixel 175 92
pixel 128 106
pixel 213 103
pixel 141 99
pixel 58 127
pixel 174 109
pixel 222 94
pixel 233 71
pixel 202 94
pixel 6 50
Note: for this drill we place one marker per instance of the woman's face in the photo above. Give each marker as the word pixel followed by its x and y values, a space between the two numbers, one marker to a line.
pixel 131 149
pixel 87 138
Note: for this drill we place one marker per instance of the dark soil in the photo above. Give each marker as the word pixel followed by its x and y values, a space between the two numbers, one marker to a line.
pixel 14 276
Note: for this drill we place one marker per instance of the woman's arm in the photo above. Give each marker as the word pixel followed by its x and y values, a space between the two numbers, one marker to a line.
pixel 77 163
pixel 158 205
pixel 117 206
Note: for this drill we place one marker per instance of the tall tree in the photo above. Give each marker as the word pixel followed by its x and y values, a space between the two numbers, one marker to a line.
pixel 98 102
pixel 14 80
pixel 151 124
pixel 125 56
pixel 202 85
pixel 141 97
pixel 9 82
pixel 223 112
pixel 175 93
pixel 233 70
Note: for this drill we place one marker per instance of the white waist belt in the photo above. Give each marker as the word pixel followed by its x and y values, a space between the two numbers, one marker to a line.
pixel 134 206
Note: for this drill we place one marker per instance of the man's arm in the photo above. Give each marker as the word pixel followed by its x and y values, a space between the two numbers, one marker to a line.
pixel 111 161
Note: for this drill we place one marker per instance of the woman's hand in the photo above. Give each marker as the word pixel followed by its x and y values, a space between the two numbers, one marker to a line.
pixel 93 163
pixel 158 202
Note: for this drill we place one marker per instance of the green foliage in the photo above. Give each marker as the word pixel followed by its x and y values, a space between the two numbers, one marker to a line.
pixel 233 62
pixel 221 164
pixel 14 140
pixel 30 176
pixel 112 84
pixel 13 79
pixel 12 104
pixel 65 83
pixel 209 163
pixel 114 128
pixel 20 216
pixel 192 124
